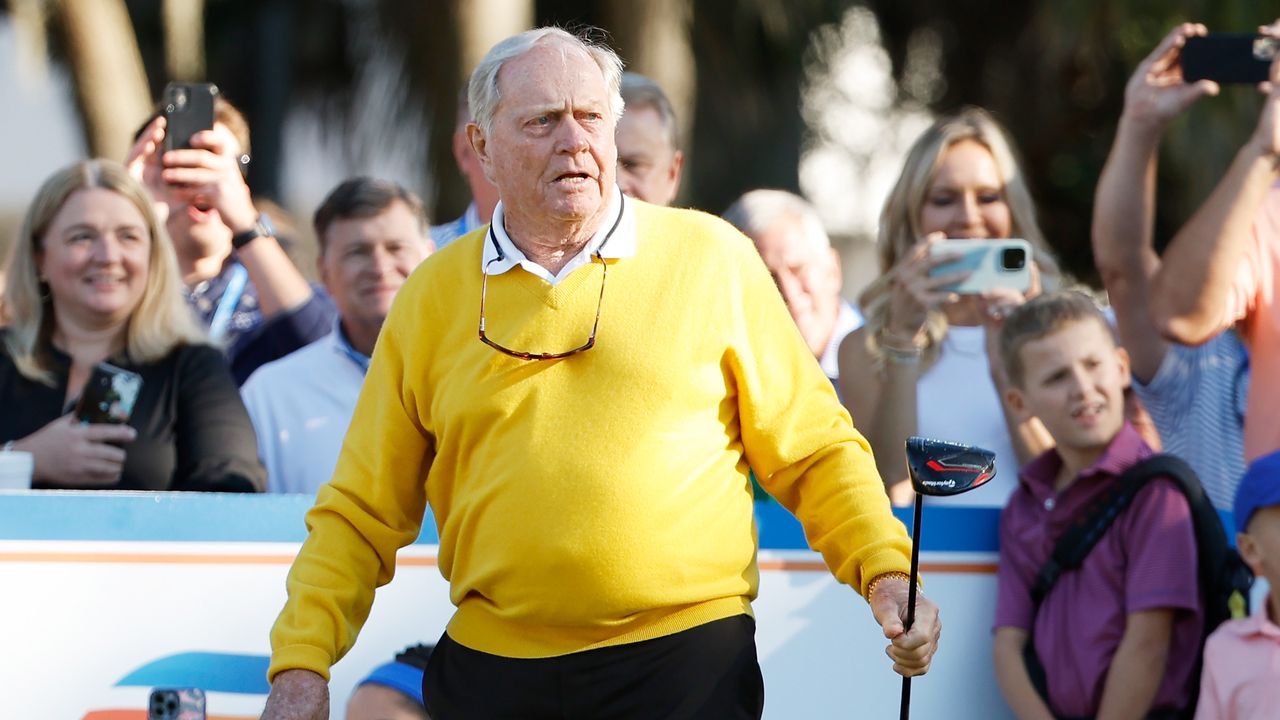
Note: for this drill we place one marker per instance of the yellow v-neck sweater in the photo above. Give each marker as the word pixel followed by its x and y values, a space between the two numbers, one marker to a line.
pixel 598 499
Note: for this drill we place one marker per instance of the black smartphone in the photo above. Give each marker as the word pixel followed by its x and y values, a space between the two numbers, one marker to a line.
pixel 176 704
pixel 188 109
pixel 1229 58
pixel 109 396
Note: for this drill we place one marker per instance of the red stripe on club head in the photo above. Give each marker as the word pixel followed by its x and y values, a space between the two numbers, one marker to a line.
pixel 935 465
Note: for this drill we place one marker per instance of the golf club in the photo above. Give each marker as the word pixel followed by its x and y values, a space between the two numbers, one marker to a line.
pixel 940 469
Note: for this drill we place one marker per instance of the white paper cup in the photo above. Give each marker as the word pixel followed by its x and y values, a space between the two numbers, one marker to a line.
pixel 15 470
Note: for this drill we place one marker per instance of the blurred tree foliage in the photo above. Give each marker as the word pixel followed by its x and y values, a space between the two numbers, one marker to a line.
pixel 1054 72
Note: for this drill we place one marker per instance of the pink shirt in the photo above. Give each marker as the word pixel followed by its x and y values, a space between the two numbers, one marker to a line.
pixel 1241 678
pixel 1145 561
pixel 1253 300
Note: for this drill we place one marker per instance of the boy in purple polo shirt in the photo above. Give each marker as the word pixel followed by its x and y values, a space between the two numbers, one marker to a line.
pixel 1241 678
pixel 1118 637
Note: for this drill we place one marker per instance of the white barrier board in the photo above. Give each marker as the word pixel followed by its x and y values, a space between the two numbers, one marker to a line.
pixel 106 595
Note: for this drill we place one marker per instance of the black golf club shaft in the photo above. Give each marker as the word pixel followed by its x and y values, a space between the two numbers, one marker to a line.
pixel 911 599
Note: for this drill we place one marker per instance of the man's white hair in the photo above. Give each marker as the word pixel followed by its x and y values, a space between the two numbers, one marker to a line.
pixel 757 210
pixel 482 90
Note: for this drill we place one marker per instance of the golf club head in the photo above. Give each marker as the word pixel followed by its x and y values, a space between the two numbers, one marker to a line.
pixel 942 469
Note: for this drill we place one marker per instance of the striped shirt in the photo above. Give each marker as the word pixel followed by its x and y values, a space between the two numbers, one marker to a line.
pixel 446 233
pixel 1197 400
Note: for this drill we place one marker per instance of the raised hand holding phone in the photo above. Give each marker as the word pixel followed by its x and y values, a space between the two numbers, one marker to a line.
pixel 917 290
pixel 1158 91
pixel 143 162
pixel 208 175
pixel 203 163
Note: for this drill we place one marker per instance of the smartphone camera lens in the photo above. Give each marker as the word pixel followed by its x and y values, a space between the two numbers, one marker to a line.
pixel 1264 48
pixel 1013 259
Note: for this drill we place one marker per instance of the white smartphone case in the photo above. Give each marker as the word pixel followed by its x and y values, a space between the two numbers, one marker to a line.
pixel 1004 263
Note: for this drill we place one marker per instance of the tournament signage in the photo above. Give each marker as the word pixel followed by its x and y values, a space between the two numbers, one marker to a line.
pixel 123 592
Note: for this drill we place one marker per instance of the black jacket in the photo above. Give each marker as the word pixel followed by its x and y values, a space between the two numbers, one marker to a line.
pixel 193 430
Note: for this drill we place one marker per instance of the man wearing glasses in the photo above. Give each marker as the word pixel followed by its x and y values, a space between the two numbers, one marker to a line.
pixel 578 391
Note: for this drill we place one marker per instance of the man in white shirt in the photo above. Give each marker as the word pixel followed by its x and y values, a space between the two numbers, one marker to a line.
pixel 372 234
pixel 790 238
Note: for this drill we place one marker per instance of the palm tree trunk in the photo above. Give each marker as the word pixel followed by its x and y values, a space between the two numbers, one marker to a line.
pixel 652 36
pixel 184 39
pixel 482 23
pixel 110 82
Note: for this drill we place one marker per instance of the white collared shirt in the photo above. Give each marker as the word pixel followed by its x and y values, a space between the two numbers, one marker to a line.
pixel 301 406
pixel 619 228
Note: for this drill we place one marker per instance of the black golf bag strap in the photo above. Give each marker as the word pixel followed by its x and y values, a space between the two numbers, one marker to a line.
pixel 1079 539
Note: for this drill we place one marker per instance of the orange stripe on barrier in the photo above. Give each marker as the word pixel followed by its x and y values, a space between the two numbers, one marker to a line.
pixel 937 567
pixel 247 559
pixel 959 568
pixel 142 715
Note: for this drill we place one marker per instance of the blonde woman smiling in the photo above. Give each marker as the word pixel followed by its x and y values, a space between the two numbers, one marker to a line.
pixel 922 364
pixel 93 278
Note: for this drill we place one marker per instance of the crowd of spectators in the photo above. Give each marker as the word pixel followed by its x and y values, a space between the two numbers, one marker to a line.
pixel 164 265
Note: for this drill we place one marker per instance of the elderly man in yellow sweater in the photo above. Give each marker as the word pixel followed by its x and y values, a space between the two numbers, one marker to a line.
pixel 586 452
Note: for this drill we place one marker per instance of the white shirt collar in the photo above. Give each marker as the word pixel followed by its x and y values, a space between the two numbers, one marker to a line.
pixel 618 228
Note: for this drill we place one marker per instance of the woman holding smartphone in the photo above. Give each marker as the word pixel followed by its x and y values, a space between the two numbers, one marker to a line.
pixel 925 362
pixel 93 278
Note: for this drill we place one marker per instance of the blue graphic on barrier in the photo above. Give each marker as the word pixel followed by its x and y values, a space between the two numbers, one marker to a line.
pixel 209 671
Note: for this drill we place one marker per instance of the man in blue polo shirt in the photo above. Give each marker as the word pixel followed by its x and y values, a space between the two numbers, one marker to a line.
pixel 372 234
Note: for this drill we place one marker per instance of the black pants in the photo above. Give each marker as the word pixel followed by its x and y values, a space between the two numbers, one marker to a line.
pixel 709 671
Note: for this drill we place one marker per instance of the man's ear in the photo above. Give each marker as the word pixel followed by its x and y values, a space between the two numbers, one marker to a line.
pixel 1017 403
pixel 480 144
pixel 320 267
pixel 677 166
pixel 835 269
pixel 1122 357
pixel 1249 552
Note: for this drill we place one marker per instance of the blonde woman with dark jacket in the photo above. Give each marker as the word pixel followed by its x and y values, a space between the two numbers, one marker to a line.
pixel 93 278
